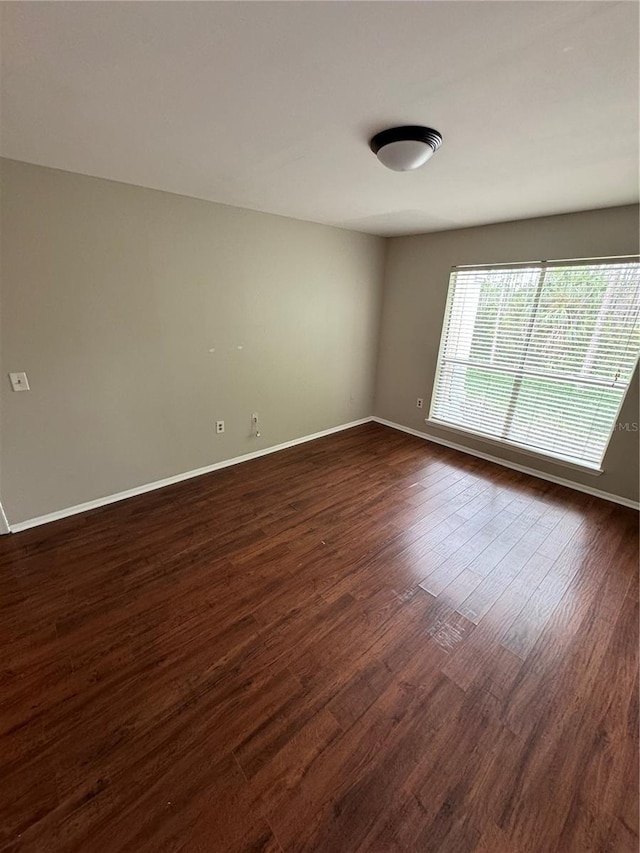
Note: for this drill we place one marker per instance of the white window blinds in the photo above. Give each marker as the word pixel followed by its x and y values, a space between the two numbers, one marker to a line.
pixel 540 355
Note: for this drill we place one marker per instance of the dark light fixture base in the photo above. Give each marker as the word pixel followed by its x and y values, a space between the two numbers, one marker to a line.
pixel 407 133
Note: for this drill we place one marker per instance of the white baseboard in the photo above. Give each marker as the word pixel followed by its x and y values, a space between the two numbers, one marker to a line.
pixel 5 527
pixel 560 481
pixel 177 478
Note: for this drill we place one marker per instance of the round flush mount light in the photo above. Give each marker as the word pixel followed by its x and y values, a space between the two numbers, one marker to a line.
pixel 405 148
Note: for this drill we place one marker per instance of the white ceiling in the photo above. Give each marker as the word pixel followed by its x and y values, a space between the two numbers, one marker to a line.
pixel 270 105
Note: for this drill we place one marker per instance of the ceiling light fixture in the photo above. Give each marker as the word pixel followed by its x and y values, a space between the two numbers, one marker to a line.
pixel 405 148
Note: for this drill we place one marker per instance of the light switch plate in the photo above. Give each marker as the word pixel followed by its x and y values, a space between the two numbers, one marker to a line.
pixel 19 381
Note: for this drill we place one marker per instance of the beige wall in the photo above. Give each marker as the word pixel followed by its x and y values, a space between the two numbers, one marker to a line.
pixel 416 283
pixel 112 297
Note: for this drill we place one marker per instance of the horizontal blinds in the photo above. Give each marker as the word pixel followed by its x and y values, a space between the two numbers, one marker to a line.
pixel 540 354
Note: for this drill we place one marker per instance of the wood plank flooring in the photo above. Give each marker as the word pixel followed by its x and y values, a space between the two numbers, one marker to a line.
pixel 365 643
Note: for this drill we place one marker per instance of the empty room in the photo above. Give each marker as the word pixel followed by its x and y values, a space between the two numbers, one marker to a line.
pixel 319 426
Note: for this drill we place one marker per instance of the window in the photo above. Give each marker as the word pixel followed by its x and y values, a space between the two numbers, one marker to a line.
pixel 540 355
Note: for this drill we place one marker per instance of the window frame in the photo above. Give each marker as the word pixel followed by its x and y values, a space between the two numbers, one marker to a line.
pixel 543 455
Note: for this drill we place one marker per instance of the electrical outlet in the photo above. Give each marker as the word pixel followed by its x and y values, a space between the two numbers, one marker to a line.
pixel 255 429
pixel 219 427
pixel 419 403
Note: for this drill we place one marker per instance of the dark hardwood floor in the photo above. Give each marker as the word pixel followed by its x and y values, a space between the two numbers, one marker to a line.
pixel 365 643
